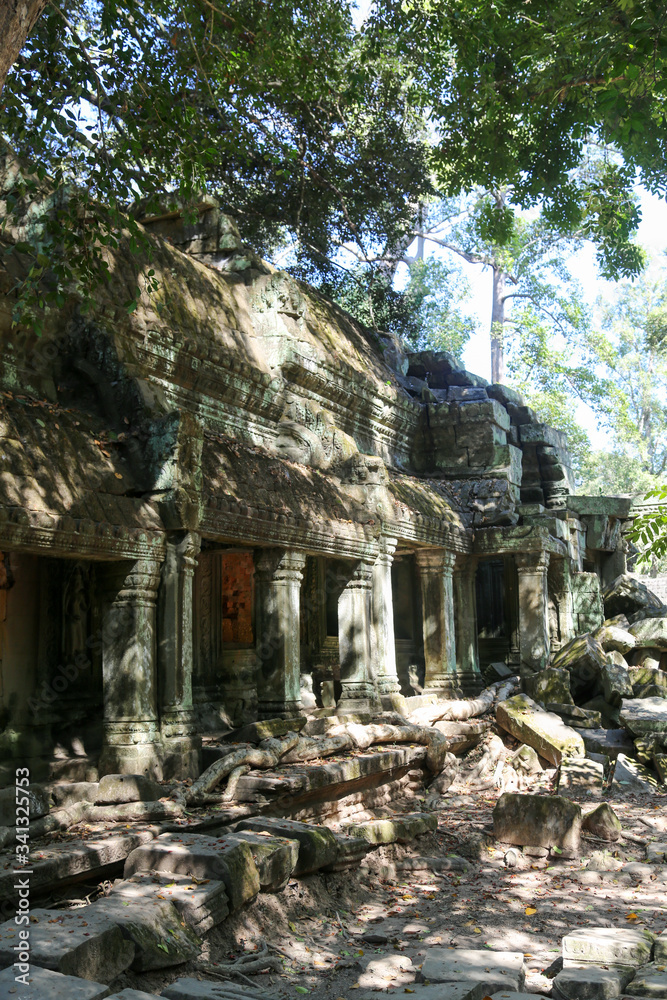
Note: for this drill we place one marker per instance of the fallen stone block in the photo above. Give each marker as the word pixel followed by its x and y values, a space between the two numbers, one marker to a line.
pixel 638 870
pixel 609 742
pixel 551 685
pixel 660 948
pixel 646 676
pixel 626 594
pixel 580 776
pixel 439 991
pixel 317 844
pixel 660 764
pixel 526 721
pixel 656 853
pixel 613 638
pixel 591 983
pixel 493 970
pixel 650 744
pixel 577 718
pixel 645 715
pixel 44 984
pixel 275 857
pixel 630 776
pixel 68 793
pixel 510 995
pixel 62 862
pixel 76 943
pixel 350 852
pixel 230 862
pixel 650 981
pixel 118 788
pixel 624 946
pixel 602 822
pixel 397 829
pixel 38 803
pixel 526 759
pixel 616 683
pixel 584 658
pixel 650 633
pixel 608 713
pixel 202 905
pixel 647 657
pixel 155 928
pixel 537 820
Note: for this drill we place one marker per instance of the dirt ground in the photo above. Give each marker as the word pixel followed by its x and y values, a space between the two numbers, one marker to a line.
pixel 368 928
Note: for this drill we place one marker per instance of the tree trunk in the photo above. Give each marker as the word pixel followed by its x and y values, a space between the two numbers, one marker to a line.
pixel 497 326
pixel 17 19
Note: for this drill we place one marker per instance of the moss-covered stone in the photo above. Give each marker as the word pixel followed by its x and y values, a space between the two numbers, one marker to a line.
pixel 526 721
pixel 397 829
pixel 537 820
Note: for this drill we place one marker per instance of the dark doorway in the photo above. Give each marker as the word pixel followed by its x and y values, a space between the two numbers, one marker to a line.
pixel 497 611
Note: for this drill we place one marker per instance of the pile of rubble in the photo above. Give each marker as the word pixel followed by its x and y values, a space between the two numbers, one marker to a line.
pixel 599 709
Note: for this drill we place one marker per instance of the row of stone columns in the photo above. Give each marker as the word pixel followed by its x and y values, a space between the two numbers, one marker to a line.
pixel 133 726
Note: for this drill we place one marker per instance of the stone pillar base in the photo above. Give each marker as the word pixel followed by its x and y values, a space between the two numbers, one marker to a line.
pixel 131 748
pixel 181 745
pixel 279 709
pixel 357 698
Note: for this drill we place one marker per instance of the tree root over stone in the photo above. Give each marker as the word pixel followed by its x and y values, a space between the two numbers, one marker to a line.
pixel 256 961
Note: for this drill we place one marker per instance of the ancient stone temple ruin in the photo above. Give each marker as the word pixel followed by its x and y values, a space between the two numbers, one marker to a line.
pixel 235 498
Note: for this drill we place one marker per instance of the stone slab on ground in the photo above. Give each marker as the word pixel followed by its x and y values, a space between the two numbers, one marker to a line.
pixel 196 989
pixel 656 853
pixel 76 943
pixel 651 632
pixel 219 858
pixel 121 788
pixel 395 829
pixel 439 991
pixel 630 776
pixel 317 844
pixel 580 776
pixel 626 946
pixel 493 970
pixel 591 982
pixel 202 906
pixel 67 793
pixel 650 981
pixel 537 820
pixel 545 732
pixel 660 948
pixel 76 858
pixel 510 995
pixel 154 926
pixel 645 715
pixel 44 983
pixel 609 742
pixel 275 857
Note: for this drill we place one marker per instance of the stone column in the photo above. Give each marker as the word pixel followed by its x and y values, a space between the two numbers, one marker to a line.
pixel 436 567
pixel 175 657
pixel 131 742
pixel 465 607
pixel 532 570
pixel 383 645
pixel 354 642
pixel 279 575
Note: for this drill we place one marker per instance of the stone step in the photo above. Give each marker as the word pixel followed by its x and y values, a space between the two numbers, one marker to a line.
pixel 317 844
pixel 275 857
pixel 219 858
pixel 650 981
pixel 395 829
pixel 154 927
pixel 40 984
pixel 591 982
pixel 492 970
pixel 60 864
pixel 625 946
pixel 201 905
pixel 77 943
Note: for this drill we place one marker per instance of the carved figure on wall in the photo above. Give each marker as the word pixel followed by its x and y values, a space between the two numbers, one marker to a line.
pixel 308 699
pixel 76 611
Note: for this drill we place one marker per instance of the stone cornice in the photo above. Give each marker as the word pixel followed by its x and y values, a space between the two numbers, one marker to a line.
pixel 522 538
pixel 48 534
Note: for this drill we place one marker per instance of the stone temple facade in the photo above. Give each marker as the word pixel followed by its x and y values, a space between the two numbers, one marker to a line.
pixel 234 498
